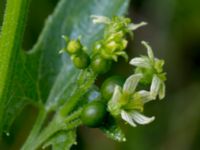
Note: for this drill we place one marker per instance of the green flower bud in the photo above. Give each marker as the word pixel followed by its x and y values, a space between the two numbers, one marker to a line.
pixel 94 114
pixel 74 46
pixel 109 84
pixel 81 60
pixel 100 65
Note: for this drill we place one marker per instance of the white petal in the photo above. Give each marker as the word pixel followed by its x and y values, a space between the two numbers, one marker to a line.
pixel 114 106
pixel 162 90
pixel 133 26
pixel 126 116
pixel 140 118
pixel 149 50
pixel 145 96
pixel 155 86
pixel 100 19
pixel 116 95
pixel 131 83
pixel 140 62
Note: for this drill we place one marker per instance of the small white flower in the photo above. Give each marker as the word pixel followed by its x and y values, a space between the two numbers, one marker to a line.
pixel 145 62
pixel 128 103
pixel 155 67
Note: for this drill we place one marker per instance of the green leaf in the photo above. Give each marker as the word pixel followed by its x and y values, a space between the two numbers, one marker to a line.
pixel 62 140
pixel 45 76
pixel 113 131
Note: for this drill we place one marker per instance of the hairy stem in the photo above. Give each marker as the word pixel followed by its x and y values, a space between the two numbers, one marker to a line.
pixel 10 41
pixel 73 101
pixel 57 124
pixel 60 121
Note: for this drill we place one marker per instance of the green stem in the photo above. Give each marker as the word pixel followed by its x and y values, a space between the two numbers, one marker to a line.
pixel 73 124
pixel 47 132
pixel 10 41
pixel 57 124
pixel 73 101
pixel 73 116
pixel 34 132
pixel 60 122
pixel 51 130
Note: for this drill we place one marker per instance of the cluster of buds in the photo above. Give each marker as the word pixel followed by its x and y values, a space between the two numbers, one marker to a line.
pixel 106 50
pixel 114 41
pixel 125 100
pixel 77 52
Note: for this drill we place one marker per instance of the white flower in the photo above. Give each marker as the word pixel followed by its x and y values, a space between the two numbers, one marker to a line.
pixel 128 103
pixel 155 66
pixel 148 62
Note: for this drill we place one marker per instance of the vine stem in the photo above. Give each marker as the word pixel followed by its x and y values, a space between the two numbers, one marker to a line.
pixel 36 128
pixel 60 121
pixel 72 102
pixel 10 42
pixel 57 124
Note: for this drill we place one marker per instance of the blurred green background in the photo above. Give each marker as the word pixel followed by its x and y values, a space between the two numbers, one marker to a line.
pixel 173 31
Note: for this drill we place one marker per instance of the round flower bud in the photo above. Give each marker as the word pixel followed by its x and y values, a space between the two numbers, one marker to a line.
pixel 108 86
pixel 74 46
pixel 100 65
pixel 94 114
pixel 81 60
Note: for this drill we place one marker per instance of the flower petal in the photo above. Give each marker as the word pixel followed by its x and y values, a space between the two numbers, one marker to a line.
pixel 100 19
pixel 133 26
pixel 114 105
pixel 162 90
pixel 140 118
pixel 140 62
pixel 149 50
pixel 145 96
pixel 155 86
pixel 127 117
pixel 117 94
pixel 131 83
